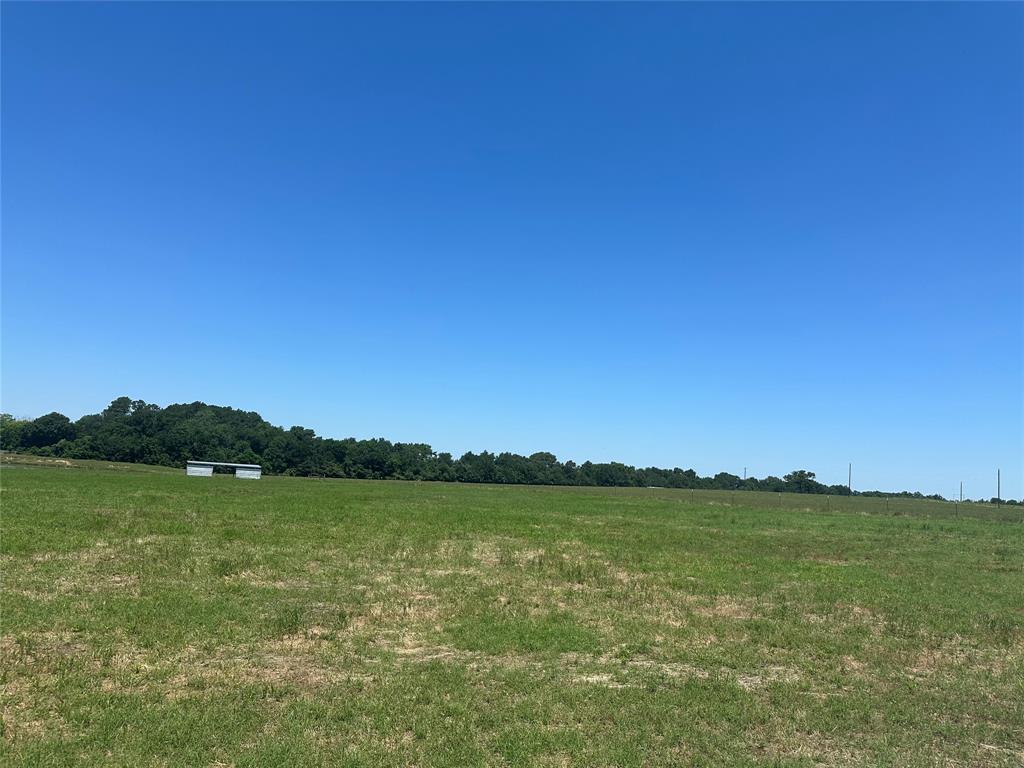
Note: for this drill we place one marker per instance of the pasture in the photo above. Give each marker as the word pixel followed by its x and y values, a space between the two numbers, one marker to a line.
pixel 149 619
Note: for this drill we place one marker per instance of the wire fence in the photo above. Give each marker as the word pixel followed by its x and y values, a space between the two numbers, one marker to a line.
pixel 865 505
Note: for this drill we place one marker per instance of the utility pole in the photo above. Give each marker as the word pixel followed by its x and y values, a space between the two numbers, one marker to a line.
pixel 999 487
pixel 744 473
pixel 961 491
pixel 849 479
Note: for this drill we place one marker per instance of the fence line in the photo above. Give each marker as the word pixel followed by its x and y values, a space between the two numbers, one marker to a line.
pixel 869 505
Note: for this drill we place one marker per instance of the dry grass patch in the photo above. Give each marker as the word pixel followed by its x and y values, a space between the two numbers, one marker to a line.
pixel 728 608
pixel 817 748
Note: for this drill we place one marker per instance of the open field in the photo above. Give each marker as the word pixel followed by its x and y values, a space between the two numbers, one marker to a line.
pixel 801 502
pixel 154 619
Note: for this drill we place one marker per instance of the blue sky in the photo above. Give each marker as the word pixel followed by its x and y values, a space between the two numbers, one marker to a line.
pixel 713 236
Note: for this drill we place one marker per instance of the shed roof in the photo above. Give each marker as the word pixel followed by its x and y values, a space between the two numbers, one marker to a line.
pixel 221 464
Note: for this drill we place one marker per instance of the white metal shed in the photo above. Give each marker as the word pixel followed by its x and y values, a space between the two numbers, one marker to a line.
pixel 205 469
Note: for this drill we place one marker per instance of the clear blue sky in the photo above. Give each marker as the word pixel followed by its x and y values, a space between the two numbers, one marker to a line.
pixel 712 236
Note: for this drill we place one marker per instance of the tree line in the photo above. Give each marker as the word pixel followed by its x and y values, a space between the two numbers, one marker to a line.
pixel 140 432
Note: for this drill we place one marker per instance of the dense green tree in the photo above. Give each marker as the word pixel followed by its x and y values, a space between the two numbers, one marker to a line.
pixel 802 481
pixel 47 430
pixel 10 432
pixel 725 481
pixel 118 409
pixel 473 468
pixel 136 431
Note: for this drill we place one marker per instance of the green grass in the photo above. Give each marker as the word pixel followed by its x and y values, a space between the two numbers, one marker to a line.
pixel 154 619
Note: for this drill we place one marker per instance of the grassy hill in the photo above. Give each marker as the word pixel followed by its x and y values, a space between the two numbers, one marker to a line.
pixel 154 619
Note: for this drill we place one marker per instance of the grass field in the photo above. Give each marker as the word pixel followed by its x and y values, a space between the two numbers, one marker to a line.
pixel 154 619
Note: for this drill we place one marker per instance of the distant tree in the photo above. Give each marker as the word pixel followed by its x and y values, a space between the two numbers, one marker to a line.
pixel 725 481
pixel 802 481
pixel 10 432
pixel 47 430
pixel 687 478
pixel 442 467
pixel 546 469
pixel 609 474
pixel 118 408
pixel 136 431
pixel 473 468
pixel 513 468
pixel 88 425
